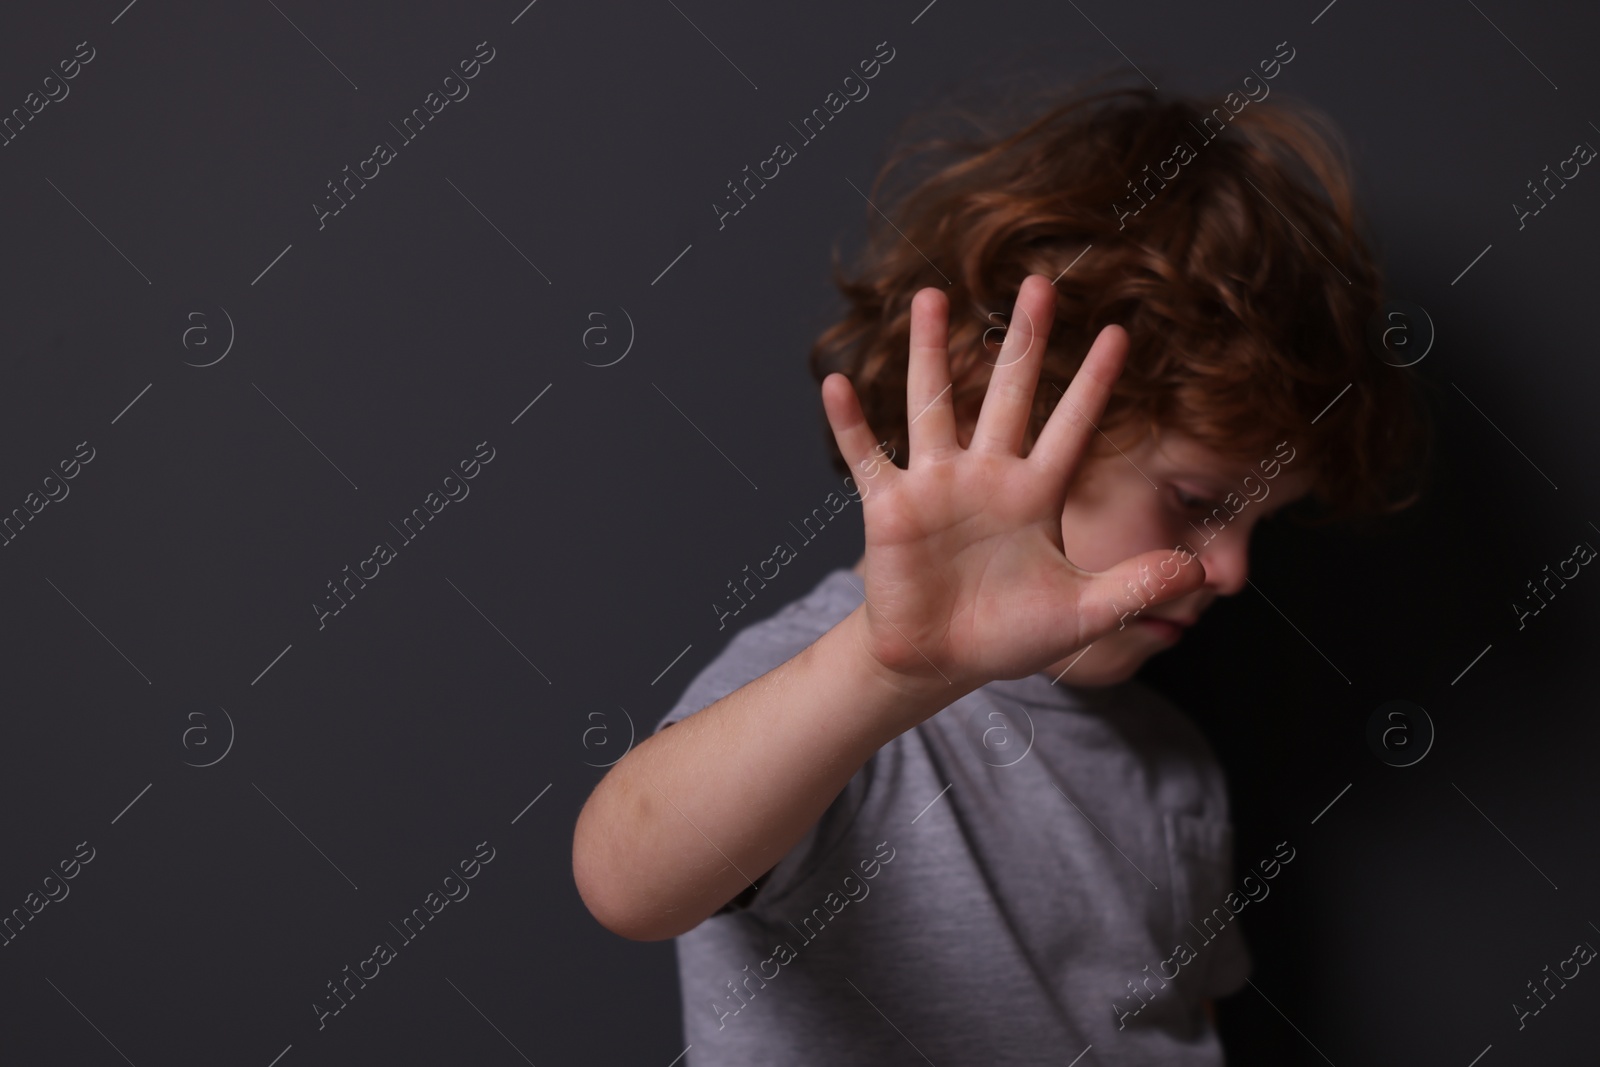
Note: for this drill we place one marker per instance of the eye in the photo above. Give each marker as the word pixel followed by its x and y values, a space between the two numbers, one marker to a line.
pixel 1190 502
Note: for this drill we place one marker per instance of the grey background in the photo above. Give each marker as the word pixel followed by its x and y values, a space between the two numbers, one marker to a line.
pixel 569 592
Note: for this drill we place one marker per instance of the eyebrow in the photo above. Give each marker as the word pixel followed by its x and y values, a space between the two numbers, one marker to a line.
pixel 1216 489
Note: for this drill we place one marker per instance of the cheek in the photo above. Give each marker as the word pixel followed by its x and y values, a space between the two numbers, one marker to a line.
pixel 1097 536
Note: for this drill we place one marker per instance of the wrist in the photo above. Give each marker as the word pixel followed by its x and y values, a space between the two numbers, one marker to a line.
pixel 896 699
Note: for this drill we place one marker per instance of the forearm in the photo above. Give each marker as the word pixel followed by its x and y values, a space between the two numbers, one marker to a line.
pixel 698 811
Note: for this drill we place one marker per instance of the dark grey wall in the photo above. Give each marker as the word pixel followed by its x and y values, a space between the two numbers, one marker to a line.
pixel 160 614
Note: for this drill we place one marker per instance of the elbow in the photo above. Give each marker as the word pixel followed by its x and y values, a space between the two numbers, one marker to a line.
pixel 605 894
pixel 613 914
pixel 618 916
pixel 623 923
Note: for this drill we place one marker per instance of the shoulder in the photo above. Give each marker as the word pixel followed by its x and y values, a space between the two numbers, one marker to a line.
pixel 761 646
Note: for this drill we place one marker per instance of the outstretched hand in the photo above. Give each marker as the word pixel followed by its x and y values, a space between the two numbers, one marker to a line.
pixel 966 578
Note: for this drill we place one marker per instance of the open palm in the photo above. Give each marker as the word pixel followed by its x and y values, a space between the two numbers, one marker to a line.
pixel 966 576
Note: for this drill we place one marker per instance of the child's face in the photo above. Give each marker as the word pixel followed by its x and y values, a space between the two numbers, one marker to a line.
pixel 1122 504
pixel 1146 498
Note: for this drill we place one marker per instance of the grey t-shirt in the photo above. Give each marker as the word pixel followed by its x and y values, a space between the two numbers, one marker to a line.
pixel 1006 883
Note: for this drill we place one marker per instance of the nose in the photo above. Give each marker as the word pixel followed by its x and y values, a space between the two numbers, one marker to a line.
pixel 1227 563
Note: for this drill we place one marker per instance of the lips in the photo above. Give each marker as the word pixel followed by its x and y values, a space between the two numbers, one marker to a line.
pixel 1169 629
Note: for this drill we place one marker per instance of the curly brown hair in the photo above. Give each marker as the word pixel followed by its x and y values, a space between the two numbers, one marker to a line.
pixel 1243 281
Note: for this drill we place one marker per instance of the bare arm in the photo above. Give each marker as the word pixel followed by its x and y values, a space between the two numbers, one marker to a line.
pixel 966 582
pixel 696 812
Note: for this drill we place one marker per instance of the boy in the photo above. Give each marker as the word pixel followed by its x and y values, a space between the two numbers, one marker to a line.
pixel 925 813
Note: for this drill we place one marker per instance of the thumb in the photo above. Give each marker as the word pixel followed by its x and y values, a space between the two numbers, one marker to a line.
pixel 1115 598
